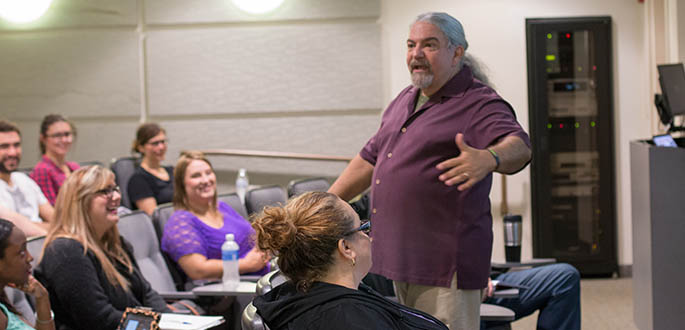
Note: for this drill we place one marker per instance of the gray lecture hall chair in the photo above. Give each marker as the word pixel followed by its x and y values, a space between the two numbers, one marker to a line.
pixel 234 202
pixel 300 186
pixel 137 229
pixel 257 198
pixel 90 162
pixel 250 320
pixel 20 301
pixel 123 168
pixel 160 216
pixel 35 246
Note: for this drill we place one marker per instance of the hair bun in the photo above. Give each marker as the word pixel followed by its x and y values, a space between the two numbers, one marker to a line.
pixel 275 231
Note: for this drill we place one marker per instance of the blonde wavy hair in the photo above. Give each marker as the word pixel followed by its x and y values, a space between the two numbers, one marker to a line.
pixel 72 221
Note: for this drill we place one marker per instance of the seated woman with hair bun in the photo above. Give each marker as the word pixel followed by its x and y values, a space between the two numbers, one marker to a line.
pixel 151 184
pixel 57 134
pixel 325 251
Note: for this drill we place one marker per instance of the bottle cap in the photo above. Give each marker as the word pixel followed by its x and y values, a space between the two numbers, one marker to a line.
pixel 242 172
pixel 229 237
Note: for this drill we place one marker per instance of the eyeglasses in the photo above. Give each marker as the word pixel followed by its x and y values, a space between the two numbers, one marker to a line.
pixel 364 228
pixel 60 135
pixel 109 191
pixel 157 143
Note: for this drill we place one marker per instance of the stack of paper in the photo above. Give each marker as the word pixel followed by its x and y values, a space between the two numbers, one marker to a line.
pixel 171 321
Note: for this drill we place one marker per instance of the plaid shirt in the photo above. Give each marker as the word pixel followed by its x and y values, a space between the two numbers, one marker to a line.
pixel 50 177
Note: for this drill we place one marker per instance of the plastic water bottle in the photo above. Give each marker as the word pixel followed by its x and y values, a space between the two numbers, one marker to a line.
pixel 229 255
pixel 241 184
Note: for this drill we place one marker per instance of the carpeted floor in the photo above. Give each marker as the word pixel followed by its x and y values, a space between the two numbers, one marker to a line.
pixel 606 304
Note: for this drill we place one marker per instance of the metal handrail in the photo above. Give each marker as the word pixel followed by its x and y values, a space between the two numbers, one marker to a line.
pixel 274 154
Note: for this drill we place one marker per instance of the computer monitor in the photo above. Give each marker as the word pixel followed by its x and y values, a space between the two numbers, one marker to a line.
pixel 672 81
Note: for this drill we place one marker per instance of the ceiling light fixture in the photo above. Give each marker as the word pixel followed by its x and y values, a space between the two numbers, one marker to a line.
pixel 257 6
pixel 23 11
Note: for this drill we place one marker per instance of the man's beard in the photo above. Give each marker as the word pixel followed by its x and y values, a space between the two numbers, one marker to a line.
pixel 421 80
pixel 4 169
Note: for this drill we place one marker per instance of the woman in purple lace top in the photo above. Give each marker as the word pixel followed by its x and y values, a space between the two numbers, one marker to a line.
pixel 195 232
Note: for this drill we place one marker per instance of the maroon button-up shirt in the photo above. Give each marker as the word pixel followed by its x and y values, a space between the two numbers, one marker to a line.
pixel 424 231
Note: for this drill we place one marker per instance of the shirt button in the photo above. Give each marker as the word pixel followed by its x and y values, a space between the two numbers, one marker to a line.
pixel 389 154
pixel 373 211
pixel 378 181
pixel 404 130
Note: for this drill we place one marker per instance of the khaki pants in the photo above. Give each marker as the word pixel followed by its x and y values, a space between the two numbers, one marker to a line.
pixel 458 309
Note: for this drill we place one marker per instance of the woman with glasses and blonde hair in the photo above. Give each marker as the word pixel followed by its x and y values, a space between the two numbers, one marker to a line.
pixel 325 251
pixel 195 232
pixel 56 137
pixel 151 184
pixel 88 269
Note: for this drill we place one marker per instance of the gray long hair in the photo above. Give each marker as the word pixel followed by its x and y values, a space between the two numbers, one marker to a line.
pixel 454 31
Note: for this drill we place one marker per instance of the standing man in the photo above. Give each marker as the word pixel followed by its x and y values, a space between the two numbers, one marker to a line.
pixel 19 195
pixel 430 170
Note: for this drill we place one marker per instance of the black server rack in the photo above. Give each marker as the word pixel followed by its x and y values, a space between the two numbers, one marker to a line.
pixel 570 99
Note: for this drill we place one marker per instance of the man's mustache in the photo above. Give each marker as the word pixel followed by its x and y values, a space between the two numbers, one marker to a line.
pixel 415 63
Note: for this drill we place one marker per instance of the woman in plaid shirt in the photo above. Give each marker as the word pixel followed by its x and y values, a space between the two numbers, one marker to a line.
pixel 56 136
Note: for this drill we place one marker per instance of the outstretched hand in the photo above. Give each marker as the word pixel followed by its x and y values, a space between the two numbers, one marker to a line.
pixel 467 169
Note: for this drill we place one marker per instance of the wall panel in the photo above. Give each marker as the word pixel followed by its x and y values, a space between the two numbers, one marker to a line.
pixel 99 140
pixel 215 11
pixel 76 73
pixel 342 135
pixel 264 69
pixel 82 13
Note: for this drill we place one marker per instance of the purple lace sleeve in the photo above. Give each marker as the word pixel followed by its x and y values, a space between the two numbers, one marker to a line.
pixel 181 236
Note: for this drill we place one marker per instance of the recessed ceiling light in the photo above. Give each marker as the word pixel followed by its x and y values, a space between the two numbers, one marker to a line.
pixel 258 6
pixel 23 11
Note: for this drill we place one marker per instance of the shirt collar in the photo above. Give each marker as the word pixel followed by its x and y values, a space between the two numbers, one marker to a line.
pixel 49 161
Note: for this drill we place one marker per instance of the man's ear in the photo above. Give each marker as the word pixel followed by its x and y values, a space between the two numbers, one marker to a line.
pixel 458 55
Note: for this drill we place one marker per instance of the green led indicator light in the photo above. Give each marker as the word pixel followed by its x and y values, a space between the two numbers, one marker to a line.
pixel 593 124
pixel 577 125
pixel 549 36
pixel 550 58
pixel 549 126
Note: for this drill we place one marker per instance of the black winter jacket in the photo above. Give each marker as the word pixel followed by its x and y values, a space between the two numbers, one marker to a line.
pixel 332 307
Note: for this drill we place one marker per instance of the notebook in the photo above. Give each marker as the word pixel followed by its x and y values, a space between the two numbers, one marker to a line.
pixel 170 321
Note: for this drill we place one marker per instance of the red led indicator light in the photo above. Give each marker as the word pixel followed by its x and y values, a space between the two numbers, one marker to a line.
pixel 561 125
pixel 568 36
pixel 594 68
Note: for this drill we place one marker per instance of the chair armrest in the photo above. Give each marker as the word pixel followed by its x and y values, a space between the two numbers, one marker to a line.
pixel 250 278
pixel 489 312
pixel 177 295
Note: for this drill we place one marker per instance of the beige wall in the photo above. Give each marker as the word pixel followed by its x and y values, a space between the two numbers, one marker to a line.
pixel 303 78
pixel 310 77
